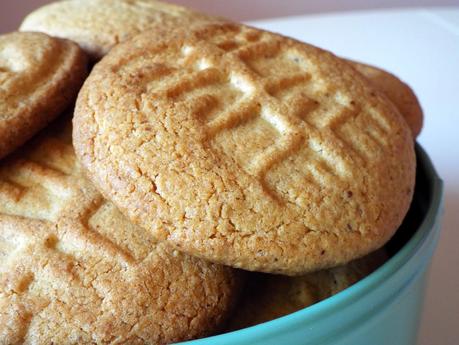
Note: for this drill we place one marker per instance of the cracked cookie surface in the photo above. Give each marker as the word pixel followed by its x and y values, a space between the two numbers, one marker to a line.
pixel 246 148
pixel 73 270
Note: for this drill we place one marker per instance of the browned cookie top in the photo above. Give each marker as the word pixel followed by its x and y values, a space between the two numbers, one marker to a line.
pixel 98 25
pixel 39 77
pixel 73 270
pixel 246 148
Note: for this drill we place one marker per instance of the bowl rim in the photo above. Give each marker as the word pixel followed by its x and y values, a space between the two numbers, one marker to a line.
pixel 312 314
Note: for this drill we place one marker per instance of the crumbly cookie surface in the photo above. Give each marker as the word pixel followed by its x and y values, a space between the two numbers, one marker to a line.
pixel 398 93
pixel 40 77
pixel 73 270
pixel 246 148
pixel 98 25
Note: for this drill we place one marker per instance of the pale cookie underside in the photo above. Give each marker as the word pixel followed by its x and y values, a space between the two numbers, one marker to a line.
pixel 246 148
pixel 40 77
pixel 98 25
pixel 73 270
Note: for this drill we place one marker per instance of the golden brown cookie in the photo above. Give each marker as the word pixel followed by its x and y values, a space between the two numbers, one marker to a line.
pixel 246 148
pixel 40 77
pixel 98 25
pixel 268 297
pixel 398 93
pixel 73 270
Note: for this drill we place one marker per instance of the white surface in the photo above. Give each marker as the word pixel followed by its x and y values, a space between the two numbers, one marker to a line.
pixel 259 9
pixel 421 46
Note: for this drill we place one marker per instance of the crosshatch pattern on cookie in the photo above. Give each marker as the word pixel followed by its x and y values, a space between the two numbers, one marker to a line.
pixel 36 192
pixel 273 99
pixel 245 147
pixel 59 251
pixel 31 190
pixel 40 188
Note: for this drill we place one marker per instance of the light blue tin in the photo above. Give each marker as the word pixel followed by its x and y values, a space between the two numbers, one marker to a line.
pixel 382 309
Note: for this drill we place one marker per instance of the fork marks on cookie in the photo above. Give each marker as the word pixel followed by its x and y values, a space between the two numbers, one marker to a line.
pixel 273 99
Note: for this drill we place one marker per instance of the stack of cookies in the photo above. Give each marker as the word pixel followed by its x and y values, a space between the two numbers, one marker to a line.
pixel 206 176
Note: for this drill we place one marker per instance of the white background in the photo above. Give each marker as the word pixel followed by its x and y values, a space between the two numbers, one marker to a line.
pixel 422 47
pixel 12 11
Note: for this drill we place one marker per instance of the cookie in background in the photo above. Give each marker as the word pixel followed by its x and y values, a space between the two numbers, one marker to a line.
pixel 98 25
pixel 40 77
pixel 268 297
pixel 398 92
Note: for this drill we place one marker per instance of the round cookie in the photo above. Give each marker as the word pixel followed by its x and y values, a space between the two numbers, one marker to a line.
pixel 73 270
pixel 98 25
pixel 268 297
pixel 246 148
pixel 40 78
pixel 398 93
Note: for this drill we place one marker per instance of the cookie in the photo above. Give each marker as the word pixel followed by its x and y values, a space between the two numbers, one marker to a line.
pixel 40 77
pixel 397 91
pixel 98 25
pixel 246 148
pixel 73 270
pixel 268 297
